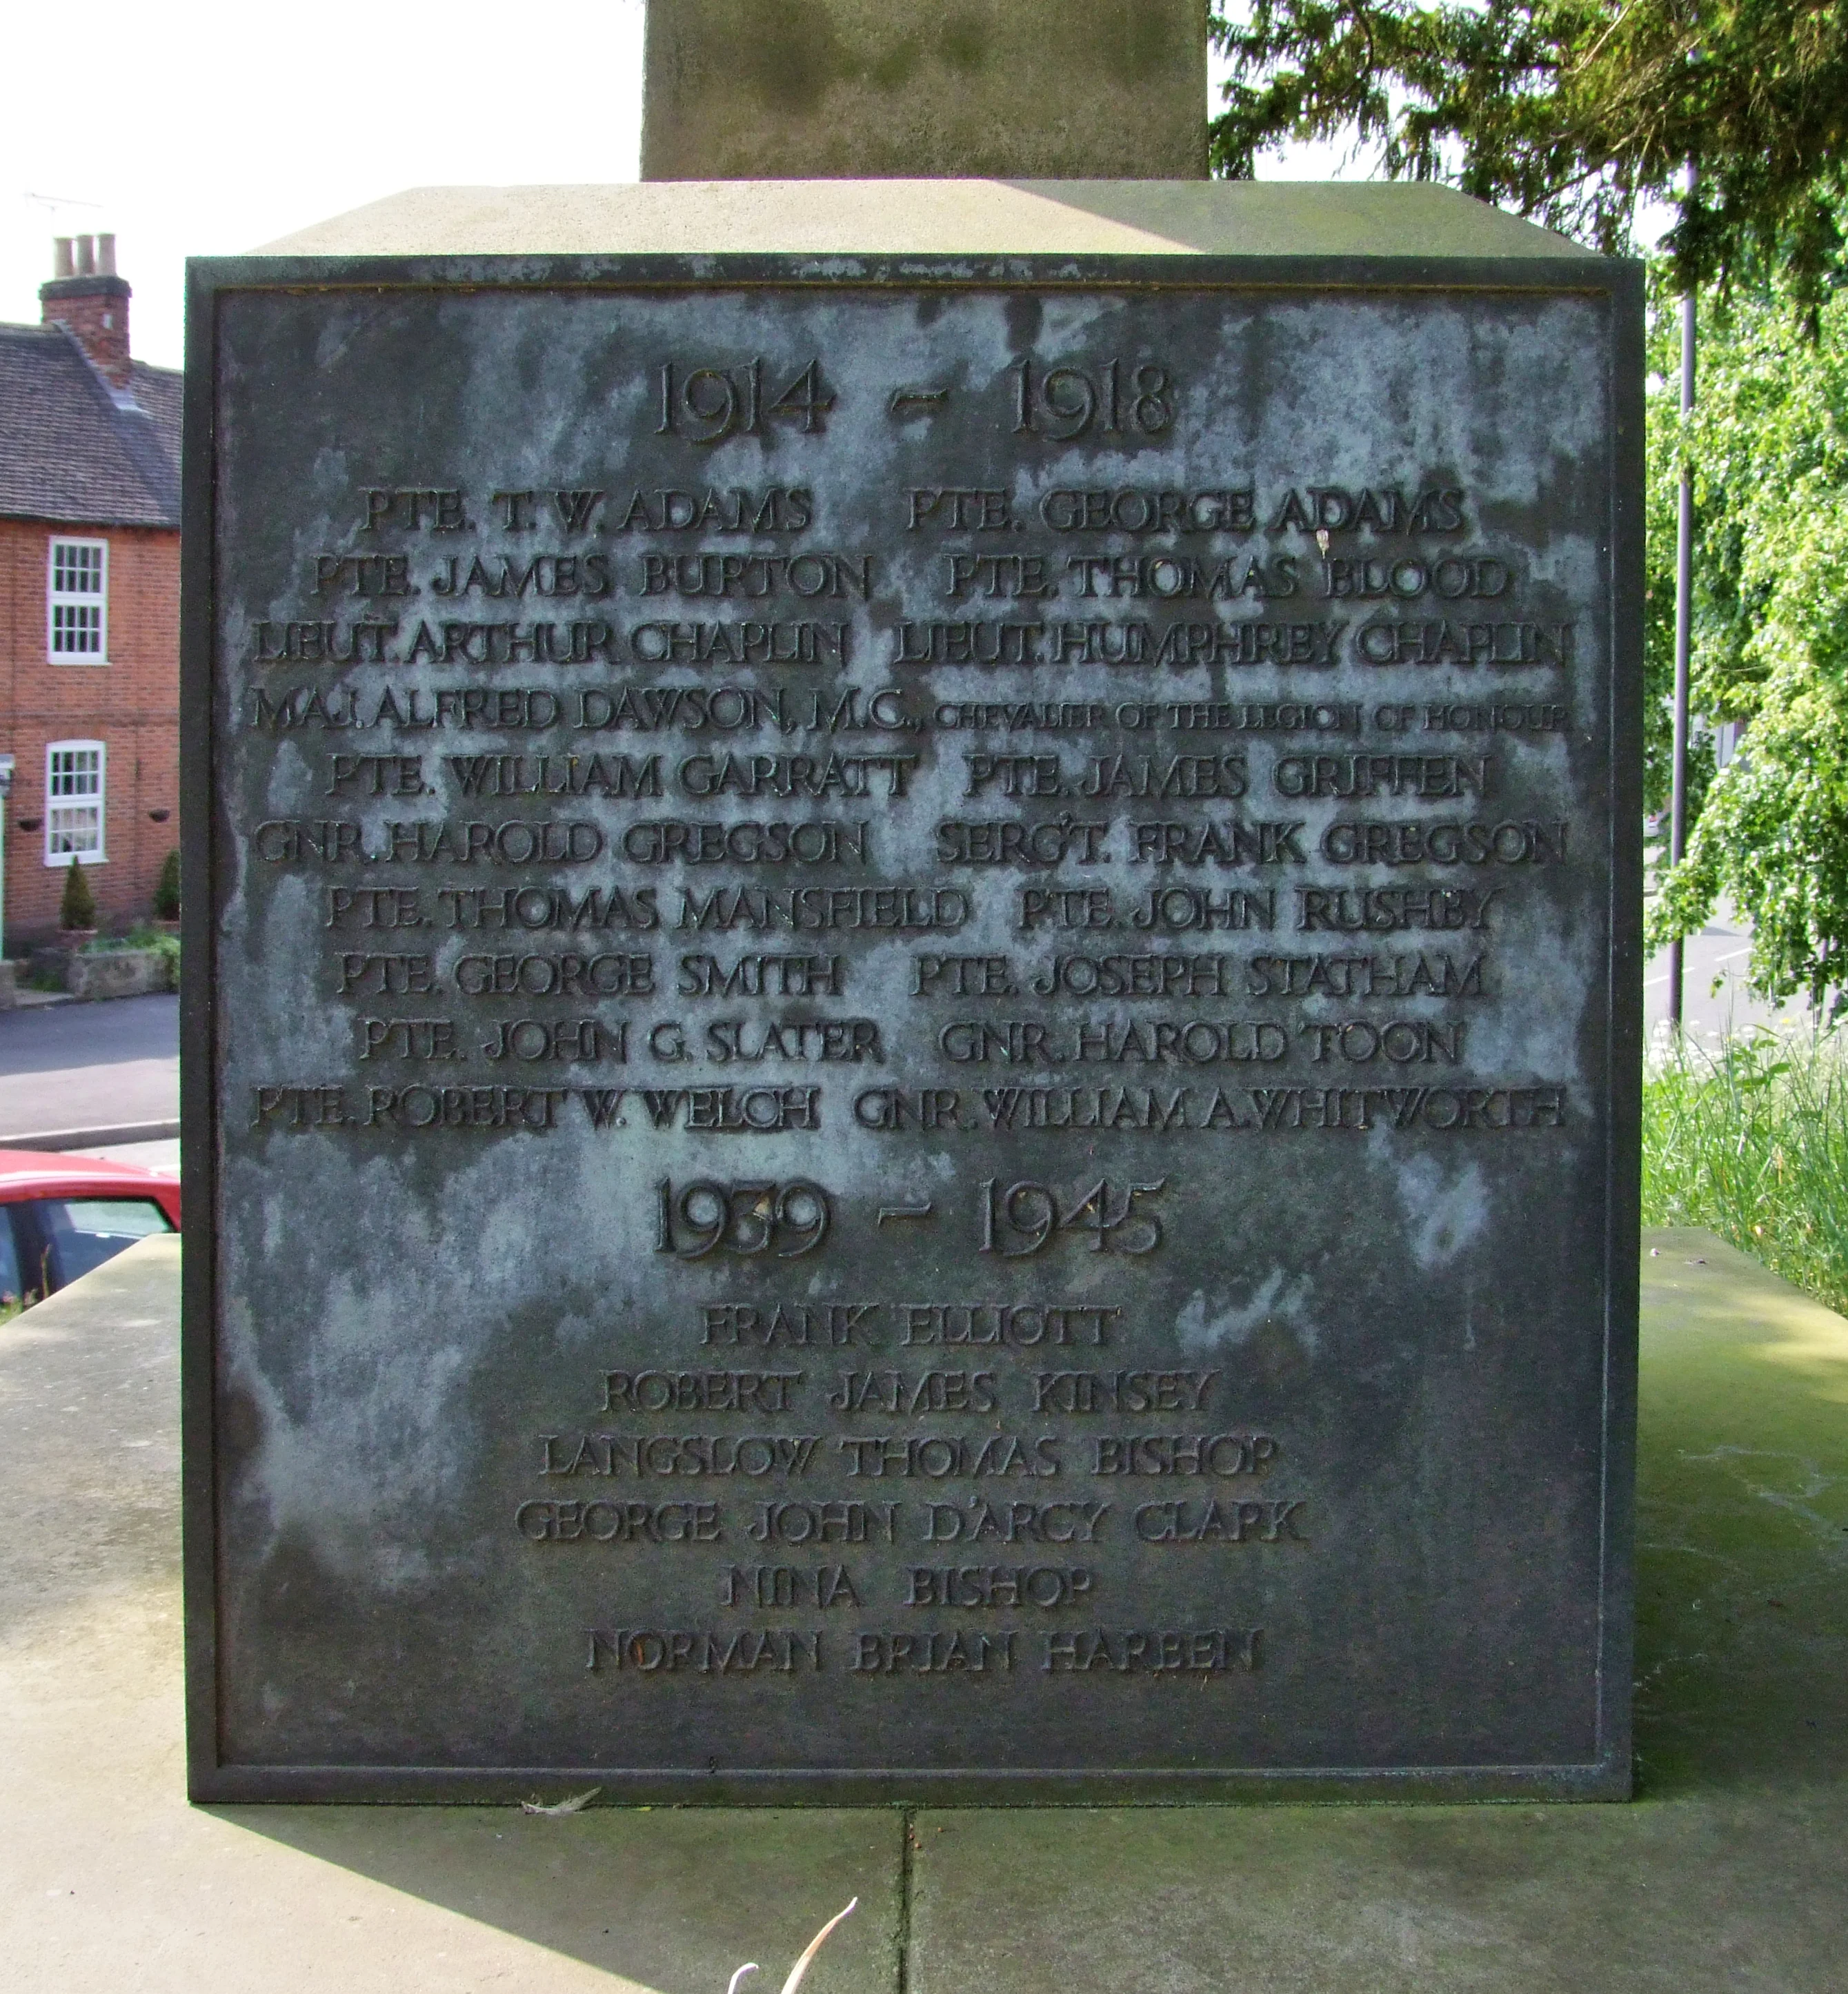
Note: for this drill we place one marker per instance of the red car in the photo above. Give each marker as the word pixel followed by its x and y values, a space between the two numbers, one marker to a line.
pixel 60 1216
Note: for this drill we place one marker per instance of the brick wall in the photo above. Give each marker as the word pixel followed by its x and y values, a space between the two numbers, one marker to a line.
pixel 95 311
pixel 131 704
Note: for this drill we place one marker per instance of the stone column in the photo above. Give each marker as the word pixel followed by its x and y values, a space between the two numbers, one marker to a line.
pixel 916 89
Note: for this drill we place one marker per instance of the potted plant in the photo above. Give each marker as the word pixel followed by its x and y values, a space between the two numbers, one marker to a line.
pixel 167 895
pixel 77 911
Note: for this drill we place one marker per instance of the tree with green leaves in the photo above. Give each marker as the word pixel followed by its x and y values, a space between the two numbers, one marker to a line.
pixel 1767 443
pixel 1570 111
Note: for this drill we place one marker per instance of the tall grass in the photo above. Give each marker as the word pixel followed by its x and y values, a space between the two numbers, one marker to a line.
pixel 1752 1142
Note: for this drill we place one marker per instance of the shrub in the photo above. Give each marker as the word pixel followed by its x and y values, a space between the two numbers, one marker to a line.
pixel 77 909
pixel 167 947
pixel 166 889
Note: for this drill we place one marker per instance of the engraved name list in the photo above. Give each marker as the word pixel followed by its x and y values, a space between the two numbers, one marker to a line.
pixel 912 1031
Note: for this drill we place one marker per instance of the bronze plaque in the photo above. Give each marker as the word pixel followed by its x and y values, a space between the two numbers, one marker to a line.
pixel 914 1036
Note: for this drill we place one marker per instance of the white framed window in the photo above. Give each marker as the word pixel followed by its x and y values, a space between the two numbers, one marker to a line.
pixel 75 775
pixel 76 602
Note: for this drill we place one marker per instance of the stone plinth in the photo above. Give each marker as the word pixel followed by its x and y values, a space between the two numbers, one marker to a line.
pixel 1398 1360
pixel 922 218
pixel 828 89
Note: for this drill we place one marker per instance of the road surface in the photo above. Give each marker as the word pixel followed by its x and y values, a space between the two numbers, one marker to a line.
pixel 1715 1004
pixel 89 1066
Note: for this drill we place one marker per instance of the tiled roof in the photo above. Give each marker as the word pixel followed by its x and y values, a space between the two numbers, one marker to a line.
pixel 69 451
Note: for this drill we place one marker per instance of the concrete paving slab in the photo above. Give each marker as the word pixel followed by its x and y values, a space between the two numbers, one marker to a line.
pixel 108 1880
pixel 1728 1871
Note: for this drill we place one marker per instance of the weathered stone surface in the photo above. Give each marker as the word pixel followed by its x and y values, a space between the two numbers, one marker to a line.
pixel 1030 89
pixel 1720 1874
pixel 1725 1871
pixel 1295 219
pixel 922 1044
pixel 116 972
pixel 110 1874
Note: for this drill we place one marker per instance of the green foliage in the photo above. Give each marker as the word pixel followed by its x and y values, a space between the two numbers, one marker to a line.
pixel 1752 1143
pixel 1768 442
pixel 1569 110
pixel 166 889
pixel 143 938
pixel 77 908
pixel 167 947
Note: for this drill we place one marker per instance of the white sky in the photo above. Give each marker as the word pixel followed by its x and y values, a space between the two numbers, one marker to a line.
pixel 200 127
pixel 203 128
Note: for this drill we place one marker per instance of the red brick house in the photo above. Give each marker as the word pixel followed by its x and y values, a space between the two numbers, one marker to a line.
pixel 89 602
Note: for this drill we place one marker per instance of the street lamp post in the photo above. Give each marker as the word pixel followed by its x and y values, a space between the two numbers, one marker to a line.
pixel 1684 634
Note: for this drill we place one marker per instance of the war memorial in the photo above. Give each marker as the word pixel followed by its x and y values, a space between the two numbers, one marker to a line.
pixel 911 1082
pixel 921 988
pixel 921 992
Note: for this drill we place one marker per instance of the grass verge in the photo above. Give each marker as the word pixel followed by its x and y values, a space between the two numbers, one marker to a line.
pixel 1752 1142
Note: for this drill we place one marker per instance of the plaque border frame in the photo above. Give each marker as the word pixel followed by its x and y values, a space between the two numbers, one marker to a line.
pixel 1608 1775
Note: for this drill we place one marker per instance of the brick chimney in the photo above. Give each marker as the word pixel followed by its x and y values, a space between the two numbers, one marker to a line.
pixel 91 302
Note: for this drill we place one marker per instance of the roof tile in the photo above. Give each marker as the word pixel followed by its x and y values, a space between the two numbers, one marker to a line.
pixel 69 451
